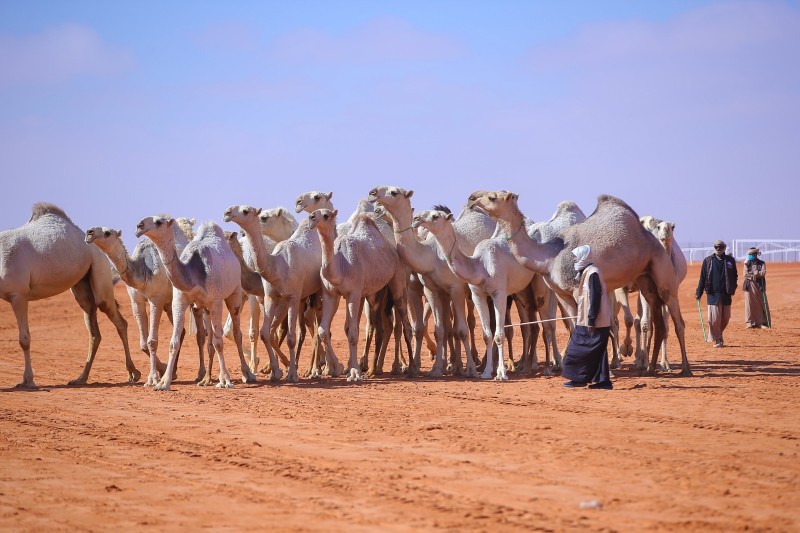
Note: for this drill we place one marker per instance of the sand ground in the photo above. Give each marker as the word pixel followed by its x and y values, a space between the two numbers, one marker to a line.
pixel 717 451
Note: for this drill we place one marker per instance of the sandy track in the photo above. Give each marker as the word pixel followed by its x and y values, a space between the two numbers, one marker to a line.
pixel 718 451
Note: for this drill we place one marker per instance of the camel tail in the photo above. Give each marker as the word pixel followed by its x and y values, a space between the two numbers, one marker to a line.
pixel 41 209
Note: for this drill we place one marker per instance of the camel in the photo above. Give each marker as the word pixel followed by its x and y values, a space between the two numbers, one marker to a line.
pixel 277 225
pixel 358 265
pixel 491 272
pixel 206 274
pixel 313 200
pixel 622 249
pixel 289 275
pixel 444 286
pixel 665 232
pixel 47 256
pixel 147 282
pixel 186 225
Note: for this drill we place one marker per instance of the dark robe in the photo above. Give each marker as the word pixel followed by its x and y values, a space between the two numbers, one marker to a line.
pixel 586 356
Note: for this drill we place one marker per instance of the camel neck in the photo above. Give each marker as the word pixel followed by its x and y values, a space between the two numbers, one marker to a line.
pixel 329 267
pixel 176 271
pixel 462 265
pixel 418 256
pixel 126 267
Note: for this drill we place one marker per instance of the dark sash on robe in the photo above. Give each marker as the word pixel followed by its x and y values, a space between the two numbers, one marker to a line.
pixel 586 356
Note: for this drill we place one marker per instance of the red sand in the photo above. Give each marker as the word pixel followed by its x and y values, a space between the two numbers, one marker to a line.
pixel 718 451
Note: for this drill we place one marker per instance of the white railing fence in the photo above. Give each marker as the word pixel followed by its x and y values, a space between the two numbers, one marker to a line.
pixel 772 250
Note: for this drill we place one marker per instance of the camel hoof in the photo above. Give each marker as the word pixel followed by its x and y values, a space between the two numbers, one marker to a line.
pixel 205 382
pixel 161 385
pixel 615 363
pixel 548 372
pixel 355 375
pixel 649 372
pixel 134 376
pixel 254 365
pixel 200 375
pixel 291 377
pixel 486 376
pixel 249 377
pixel 435 373
pixel 29 384
pixel 276 375
pixel 152 379
pixel 686 373
pixel 501 377
pixel 472 373
pixel 225 383
pixel 81 380
pixel 396 370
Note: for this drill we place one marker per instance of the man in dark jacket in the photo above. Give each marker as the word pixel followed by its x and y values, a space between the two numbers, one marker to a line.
pixel 718 278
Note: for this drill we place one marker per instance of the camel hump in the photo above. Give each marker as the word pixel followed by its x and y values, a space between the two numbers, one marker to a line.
pixel 604 199
pixel 41 209
pixel 209 230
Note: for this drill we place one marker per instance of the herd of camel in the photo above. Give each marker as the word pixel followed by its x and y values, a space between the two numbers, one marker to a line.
pixel 398 266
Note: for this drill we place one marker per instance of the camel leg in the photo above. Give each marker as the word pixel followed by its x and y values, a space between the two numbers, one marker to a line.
pixel 215 315
pixel 156 309
pixel 680 329
pixel 293 311
pixel 19 304
pixel 482 306
pixel 614 330
pixel 234 303
pixel 547 308
pixel 430 343
pixel 270 310
pixel 471 323
pixel 664 362
pixel 83 295
pixel 139 308
pixel 179 305
pixel 499 300
pixel 627 347
pixel 199 321
pixel 653 311
pixel 330 303
pixel 397 286
pixel 255 319
pixel 439 332
pixel 462 334
pixel 509 334
pixel 353 309
pixel 641 356
pixel 166 307
pixel 419 327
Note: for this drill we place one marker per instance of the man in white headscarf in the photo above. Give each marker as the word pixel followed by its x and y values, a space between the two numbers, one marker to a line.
pixel 586 357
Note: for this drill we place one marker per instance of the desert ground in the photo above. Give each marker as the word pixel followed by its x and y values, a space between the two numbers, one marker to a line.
pixel 714 452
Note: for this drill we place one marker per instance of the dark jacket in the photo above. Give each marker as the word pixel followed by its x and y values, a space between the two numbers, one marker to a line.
pixel 757 268
pixel 718 279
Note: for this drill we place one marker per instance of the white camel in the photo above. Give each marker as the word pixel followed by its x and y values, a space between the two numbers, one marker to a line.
pixel 358 265
pixel 205 275
pixel 47 256
pixel 491 272
pixel 290 274
pixel 148 285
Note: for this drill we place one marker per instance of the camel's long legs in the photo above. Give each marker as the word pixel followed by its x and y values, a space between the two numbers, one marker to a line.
pixel 20 306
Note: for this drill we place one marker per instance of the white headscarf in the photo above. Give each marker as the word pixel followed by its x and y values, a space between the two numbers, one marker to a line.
pixel 584 255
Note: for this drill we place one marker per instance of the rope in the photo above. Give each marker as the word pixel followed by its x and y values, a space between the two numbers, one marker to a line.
pixel 540 321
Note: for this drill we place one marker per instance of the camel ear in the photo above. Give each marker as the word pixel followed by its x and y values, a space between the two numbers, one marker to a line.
pixel 329 195
pixel 192 220
pixel 119 233
pixel 673 226
pixel 279 212
pixel 258 211
pixel 409 194
pixel 170 221
pixel 448 216
pixel 335 212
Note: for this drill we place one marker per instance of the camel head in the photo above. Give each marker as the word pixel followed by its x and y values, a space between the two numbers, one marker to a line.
pixel 432 220
pixel 186 225
pixel 493 203
pixel 323 218
pixel 665 231
pixel 155 226
pixel 313 200
pixel 276 223
pixel 244 215
pixel 233 241
pixel 389 196
pixel 101 236
pixel 649 222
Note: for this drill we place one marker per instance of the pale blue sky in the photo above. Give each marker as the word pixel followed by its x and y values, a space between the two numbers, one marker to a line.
pixel 688 110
